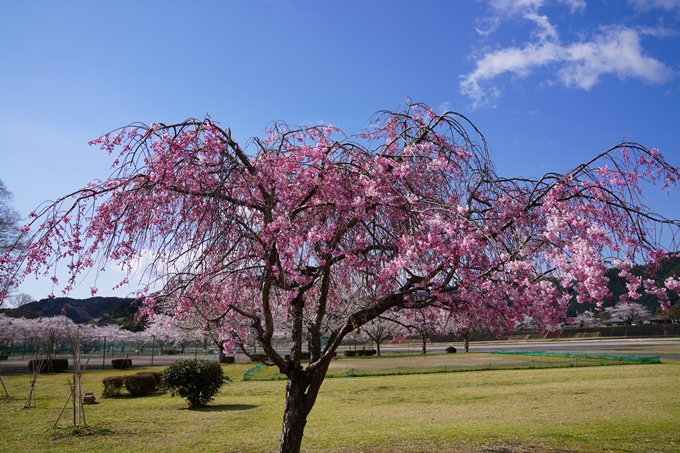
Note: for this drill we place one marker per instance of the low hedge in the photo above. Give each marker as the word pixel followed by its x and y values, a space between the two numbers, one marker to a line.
pixel 139 384
pixel 259 357
pixel 113 385
pixel 48 366
pixel 121 364
pixel 451 350
pixel 350 353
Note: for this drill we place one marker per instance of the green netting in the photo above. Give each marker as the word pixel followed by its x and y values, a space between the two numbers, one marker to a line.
pixel 570 355
pixel 262 373
pixel 248 375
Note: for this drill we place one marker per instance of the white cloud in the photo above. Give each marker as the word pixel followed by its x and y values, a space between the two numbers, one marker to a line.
pixel 518 61
pixel 516 6
pixel 575 5
pixel 545 29
pixel 445 107
pixel 527 6
pixel 649 4
pixel 616 51
pixel 612 50
pixel 487 25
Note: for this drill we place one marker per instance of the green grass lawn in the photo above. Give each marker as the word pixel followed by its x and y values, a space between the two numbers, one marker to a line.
pixel 629 408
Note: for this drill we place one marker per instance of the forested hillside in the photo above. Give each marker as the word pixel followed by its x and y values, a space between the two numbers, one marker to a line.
pixel 101 310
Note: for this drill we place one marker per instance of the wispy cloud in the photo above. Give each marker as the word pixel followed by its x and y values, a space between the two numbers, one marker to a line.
pixel 611 51
pixel 649 4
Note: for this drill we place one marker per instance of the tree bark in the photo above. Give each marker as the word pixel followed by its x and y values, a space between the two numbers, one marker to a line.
pixel 294 417
pixel 466 340
pixel 301 392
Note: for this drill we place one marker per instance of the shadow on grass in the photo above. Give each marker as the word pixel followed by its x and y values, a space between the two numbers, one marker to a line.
pixel 126 395
pixel 222 408
pixel 85 430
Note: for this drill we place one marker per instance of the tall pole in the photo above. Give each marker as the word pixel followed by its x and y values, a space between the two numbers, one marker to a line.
pixel 104 354
pixel 153 345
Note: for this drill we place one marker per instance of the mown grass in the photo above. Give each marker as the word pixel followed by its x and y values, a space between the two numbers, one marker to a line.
pixel 628 408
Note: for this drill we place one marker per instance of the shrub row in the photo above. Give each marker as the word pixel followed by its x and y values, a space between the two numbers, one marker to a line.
pixel 139 384
pixel 360 352
pixel 259 357
pixel 451 350
pixel 48 366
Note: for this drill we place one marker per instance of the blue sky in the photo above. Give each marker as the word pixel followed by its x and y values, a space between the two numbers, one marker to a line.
pixel 549 83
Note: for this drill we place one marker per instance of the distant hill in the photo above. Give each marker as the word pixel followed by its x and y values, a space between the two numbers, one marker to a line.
pixel 100 310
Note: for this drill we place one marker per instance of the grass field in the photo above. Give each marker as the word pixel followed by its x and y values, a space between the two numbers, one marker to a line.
pixel 629 408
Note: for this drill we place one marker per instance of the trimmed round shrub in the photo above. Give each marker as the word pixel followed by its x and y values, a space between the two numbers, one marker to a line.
pixel 451 350
pixel 121 364
pixel 140 384
pixel 259 357
pixel 112 386
pixel 48 366
pixel 196 380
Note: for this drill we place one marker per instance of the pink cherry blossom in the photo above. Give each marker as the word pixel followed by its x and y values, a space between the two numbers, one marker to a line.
pixel 312 233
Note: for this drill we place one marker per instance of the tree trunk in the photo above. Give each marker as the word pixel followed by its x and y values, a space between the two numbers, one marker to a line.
pixel 424 344
pixel 466 340
pixel 377 346
pixel 301 392
pixel 294 417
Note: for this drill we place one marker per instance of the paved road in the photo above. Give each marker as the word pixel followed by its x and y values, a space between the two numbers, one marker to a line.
pixel 19 366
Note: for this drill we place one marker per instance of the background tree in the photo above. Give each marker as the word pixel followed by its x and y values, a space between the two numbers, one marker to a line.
pixel 586 319
pixel 427 322
pixel 408 214
pixel 466 324
pixel 382 328
pixel 629 312
pixel 9 331
pixel 672 313
pixel 17 300
pixel 9 227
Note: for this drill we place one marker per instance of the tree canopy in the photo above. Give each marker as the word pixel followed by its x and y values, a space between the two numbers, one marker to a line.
pixel 313 233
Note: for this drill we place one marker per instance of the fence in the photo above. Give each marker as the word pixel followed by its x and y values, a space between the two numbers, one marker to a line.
pixel 609 358
pixel 570 360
